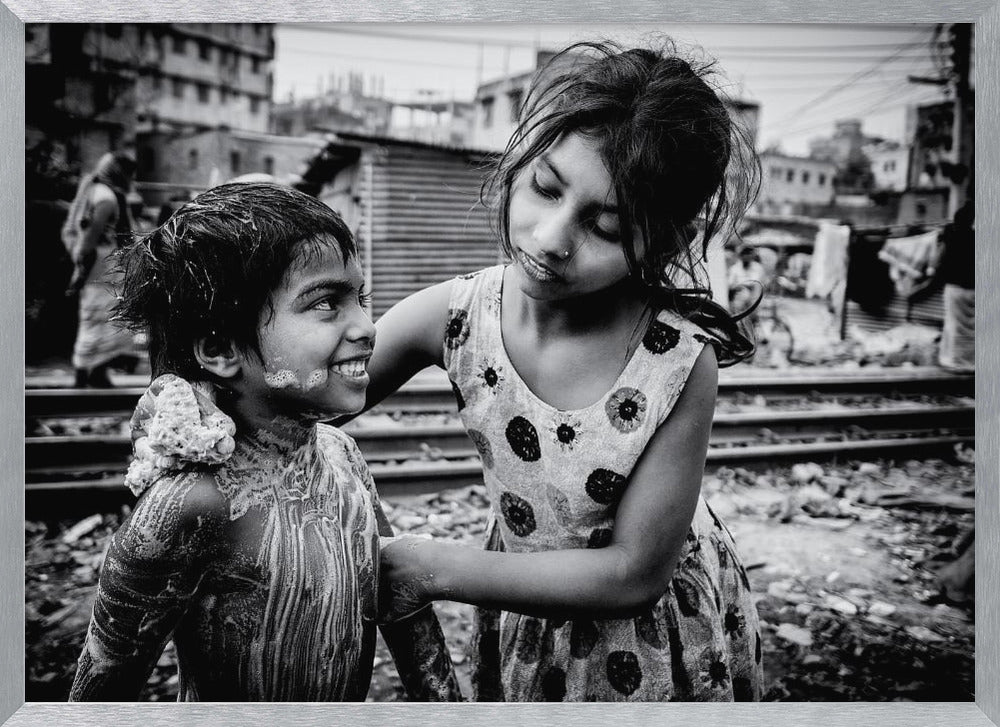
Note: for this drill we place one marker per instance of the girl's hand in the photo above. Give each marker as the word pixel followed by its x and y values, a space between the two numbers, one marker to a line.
pixel 406 578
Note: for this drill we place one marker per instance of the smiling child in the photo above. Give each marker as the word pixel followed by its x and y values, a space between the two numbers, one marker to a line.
pixel 254 542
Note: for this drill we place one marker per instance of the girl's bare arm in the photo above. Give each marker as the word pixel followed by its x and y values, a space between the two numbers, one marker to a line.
pixel 409 338
pixel 628 575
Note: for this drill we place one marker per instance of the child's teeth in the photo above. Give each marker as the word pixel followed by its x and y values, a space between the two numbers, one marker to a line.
pixel 351 368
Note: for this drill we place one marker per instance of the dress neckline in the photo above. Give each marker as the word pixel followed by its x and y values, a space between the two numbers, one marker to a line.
pixel 515 375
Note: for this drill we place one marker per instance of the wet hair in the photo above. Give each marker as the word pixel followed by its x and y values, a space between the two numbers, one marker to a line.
pixel 677 160
pixel 209 271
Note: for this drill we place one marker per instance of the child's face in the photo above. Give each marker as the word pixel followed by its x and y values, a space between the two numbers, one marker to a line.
pixel 315 345
pixel 564 224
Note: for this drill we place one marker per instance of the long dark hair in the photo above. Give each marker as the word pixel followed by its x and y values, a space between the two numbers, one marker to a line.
pixel 680 166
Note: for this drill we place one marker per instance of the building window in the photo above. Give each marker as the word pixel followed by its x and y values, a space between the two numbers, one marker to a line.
pixel 203 93
pixel 179 44
pixel 775 172
pixel 268 165
pixel 178 88
pixel 254 64
pixel 234 162
pixel 193 159
pixel 254 104
pixel 515 97
pixel 487 112
pixel 204 50
pixel 822 180
pixel 805 177
pixel 156 82
pixel 790 175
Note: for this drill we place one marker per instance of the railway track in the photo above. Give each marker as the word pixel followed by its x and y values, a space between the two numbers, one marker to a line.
pixel 920 412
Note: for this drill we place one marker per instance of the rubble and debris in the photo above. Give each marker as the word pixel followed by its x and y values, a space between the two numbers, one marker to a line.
pixel 852 607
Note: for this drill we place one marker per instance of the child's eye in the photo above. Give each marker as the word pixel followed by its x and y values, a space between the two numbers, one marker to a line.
pixel 546 192
pixel 364 298
pixel 326 303
pixel 609 235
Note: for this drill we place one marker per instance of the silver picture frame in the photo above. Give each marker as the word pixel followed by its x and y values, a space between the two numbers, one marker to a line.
pixel 984 13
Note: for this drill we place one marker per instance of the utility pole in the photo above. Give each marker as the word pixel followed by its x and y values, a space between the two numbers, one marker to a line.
pixel 960 41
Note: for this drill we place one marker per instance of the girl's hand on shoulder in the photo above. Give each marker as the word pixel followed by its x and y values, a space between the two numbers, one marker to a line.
pixel 407 582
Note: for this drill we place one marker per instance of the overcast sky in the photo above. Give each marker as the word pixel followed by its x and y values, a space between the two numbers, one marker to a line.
pixel 803 76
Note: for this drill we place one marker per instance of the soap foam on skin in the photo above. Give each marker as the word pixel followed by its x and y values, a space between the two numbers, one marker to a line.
pixel 316 378
pixel 283 379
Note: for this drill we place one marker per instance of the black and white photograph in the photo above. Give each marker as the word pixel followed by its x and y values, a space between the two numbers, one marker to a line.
pixel 499 362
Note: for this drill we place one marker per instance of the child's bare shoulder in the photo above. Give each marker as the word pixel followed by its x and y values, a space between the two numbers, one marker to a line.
pixel 192 497
pixel 178 512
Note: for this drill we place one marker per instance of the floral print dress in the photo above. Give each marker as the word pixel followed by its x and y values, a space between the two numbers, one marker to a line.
pixel 554 479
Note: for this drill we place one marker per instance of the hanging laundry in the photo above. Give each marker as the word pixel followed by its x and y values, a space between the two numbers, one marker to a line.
pixel 868 282
pixel 913 261
pixel 829 260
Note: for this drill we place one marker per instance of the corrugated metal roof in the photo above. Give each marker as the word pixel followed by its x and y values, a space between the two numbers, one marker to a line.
pixel 345 136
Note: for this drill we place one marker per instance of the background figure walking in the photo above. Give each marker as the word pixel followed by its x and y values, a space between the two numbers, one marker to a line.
pixel 97 223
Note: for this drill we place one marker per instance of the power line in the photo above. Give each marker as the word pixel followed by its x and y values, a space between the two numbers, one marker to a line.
pixel 776 53
pixel 838 88
pixel 896 99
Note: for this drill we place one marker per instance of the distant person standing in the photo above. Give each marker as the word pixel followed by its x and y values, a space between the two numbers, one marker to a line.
pixel 97 224
pixel 958 271
pixel 747 269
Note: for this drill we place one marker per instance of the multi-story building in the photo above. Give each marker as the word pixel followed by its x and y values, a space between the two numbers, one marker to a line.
pixel 347 104
pixel 790 185
pixel 890 165
pixel 204 76
pixel 148 88
pixel 845 148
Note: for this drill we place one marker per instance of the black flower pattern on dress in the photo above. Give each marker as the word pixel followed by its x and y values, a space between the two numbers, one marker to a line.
pixel 518 514
pixel 459 399
pixel 582 639
pixel 626 408
pixel 566 432
pixel 660 337
pixel 735 622
pixel 482 446
pixel 457 331
pixel 713 669
pixel 756 648
pixel 623 672
pixel 599 538
pixel 523 439
pixel 554 685
pixel 492 377
pixel 604 486
pixel 688 599
pixel 532 640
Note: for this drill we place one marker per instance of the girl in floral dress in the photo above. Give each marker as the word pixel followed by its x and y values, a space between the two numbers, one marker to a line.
pixel 585 371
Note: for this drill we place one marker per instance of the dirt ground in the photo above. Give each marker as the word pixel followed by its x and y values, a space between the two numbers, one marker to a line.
pixel 845 586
